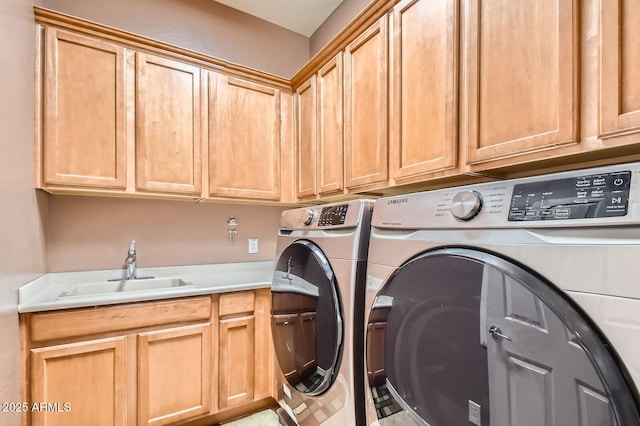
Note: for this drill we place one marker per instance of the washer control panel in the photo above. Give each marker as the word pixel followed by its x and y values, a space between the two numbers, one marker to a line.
pixel 581 197
pixel 333 215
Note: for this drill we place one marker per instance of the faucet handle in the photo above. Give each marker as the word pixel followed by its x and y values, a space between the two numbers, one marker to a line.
pixel 132 247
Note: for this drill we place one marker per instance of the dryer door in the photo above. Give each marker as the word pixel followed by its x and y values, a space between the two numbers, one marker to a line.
pixel 459 336
pixel 306 318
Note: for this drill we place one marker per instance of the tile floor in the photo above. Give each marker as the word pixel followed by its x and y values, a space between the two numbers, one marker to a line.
pixel 261 418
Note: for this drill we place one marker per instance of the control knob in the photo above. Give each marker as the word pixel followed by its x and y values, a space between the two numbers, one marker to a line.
pixel 309 217
pixel 466 205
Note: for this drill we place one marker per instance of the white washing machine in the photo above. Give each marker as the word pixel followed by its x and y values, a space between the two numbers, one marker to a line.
pixel 507 303
pixel 318 312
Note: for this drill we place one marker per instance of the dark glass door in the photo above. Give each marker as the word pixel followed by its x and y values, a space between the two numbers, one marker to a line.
pixel 459 336
pixel 307 318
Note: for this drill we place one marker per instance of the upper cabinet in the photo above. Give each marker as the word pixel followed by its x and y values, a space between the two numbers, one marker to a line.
pixel 521 77
pixel 320 132
pixel 168 126
pixel 620 53
pixel 244 139
pixel 424 78
pixel 119 114
pixel 84 115
pixel 423 93
pixel 330 127
pixel 306 114
pixel 366 101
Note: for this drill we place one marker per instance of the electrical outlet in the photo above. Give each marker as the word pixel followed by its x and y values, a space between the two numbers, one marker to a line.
pixel 474 413
pixel 253 245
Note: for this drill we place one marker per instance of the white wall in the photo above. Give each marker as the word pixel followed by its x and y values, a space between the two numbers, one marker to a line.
pixel 22 241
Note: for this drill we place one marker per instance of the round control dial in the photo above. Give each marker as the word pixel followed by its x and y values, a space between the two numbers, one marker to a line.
pixel 309 217
pixel 466 205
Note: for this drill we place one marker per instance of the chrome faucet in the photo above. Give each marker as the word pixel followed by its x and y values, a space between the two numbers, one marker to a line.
pixel 132 271
pixel 289 268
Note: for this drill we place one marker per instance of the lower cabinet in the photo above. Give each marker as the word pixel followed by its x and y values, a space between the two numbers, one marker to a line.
pixel 245 355
pixel 237 354
pixel 154 363
pixel 79 384
pixel 174 374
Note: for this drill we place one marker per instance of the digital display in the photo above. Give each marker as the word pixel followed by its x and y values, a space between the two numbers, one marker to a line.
pixel 594 196
pixel 334 215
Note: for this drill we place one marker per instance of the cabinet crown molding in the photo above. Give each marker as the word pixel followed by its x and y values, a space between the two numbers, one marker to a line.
pixel 52 18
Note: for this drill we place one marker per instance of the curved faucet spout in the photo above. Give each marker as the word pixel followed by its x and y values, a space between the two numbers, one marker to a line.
pixel 132 270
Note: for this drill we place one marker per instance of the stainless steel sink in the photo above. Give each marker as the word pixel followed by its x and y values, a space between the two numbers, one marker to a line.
pixel 112 287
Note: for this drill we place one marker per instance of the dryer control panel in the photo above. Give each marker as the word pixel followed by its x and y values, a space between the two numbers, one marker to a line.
pixel 581 197
pixel 600 196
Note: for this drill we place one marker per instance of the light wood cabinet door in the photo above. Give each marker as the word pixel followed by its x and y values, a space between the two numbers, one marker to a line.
pixel 265 382
pixel 366 100
pixel 620 56
pixel 168 126
pixel 174 374
pixel 244 139
pixel 84 112
pixel 330 127
pixel 88 376
pixel 237 361
pixel 306 139
pixel 521 78
pixel 424 77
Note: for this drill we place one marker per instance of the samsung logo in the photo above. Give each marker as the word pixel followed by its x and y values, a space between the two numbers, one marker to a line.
pixel 398 201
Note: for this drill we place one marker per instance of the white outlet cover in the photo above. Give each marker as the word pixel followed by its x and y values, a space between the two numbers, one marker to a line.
pixel 253 245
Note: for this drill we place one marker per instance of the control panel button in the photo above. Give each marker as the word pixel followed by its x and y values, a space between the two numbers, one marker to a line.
pixel 466 205
pixel 562 213
pixel 309 218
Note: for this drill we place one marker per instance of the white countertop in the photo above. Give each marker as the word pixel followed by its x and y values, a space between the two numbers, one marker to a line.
pixel 42 293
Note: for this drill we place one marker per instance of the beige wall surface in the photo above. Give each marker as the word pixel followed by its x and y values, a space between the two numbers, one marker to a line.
pixel 22 241
pixel 339 19
pixel 86 233
pixel 200 25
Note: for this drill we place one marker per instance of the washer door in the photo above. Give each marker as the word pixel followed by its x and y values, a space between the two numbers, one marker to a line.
pixel 306 318
pixel 459 336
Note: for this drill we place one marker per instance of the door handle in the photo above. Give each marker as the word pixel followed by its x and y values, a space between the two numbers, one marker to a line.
pixel 496 332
